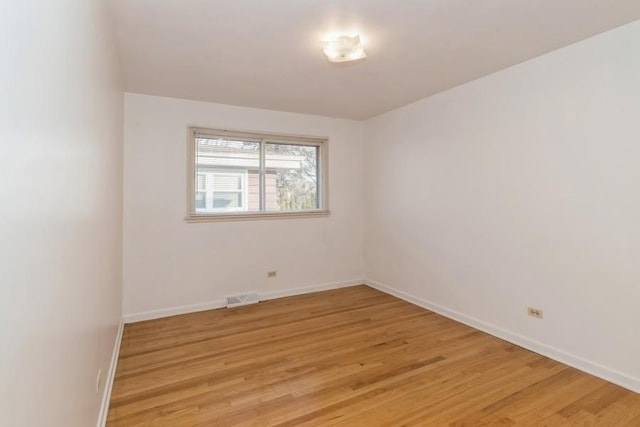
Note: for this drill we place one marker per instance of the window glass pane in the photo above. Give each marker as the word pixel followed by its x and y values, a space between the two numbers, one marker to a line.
pixel 201 181
pixel 226 153
pixel 228 201
pixel 291 177
pixel 201 201
pixel 224 182
pixel 225 170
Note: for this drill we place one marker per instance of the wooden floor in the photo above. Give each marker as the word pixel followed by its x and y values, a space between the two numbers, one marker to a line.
pixel 350 357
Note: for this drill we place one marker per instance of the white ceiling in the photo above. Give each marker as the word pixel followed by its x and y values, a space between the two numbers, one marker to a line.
pixel 265 53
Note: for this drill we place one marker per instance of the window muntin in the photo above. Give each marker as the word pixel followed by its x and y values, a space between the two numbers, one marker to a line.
pixel 236 174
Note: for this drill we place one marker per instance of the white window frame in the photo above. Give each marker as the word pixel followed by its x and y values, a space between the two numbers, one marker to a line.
pixel 263 138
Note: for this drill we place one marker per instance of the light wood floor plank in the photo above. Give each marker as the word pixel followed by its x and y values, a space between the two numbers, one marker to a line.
pixel 348 357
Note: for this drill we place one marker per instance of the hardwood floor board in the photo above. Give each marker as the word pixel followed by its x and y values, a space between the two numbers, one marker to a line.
pixel 626 411
pixel 449 392
pixel 390 408
pixel 528 412
pixel 580 418
pixel 328 396
pixel 346 357
pixel 244 315
pixel 461 396
pixel 214 327
pixel 491 420
pixel 339 375
pixel 287 347
pixel 594 402
pixel 241 348
pixel 144 408
pixel 216 363
pixel 117 402
pixel 286 330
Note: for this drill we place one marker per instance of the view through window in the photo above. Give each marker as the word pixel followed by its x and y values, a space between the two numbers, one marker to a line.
pixel 245 173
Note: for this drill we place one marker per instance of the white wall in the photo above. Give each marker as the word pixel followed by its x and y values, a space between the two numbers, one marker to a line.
pixel 170 263
pixel 61 108
pixel 521 189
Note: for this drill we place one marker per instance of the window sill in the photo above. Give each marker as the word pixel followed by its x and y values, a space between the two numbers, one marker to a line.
pixel 253 216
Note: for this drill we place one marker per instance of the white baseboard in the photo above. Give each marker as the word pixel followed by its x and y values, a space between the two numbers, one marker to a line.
pixel 616 377
pixel 108 385
pixel 265 296
pixel 173 311
pixel 221 303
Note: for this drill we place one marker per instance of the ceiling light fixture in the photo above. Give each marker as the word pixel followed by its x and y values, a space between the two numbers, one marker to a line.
pixel 343 49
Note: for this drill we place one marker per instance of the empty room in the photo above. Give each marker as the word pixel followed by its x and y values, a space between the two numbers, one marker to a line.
pixel 319 213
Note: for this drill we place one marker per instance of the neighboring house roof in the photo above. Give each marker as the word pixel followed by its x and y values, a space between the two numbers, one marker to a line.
pixel 233 159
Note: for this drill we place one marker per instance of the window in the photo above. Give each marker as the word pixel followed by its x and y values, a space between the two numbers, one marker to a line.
pixel 242 175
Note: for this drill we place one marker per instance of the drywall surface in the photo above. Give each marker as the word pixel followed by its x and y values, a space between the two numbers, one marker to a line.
pixel 171 263
pixel 61 115
pixel 520 189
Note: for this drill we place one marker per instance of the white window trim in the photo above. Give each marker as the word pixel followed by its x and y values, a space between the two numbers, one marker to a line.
pixel 323 187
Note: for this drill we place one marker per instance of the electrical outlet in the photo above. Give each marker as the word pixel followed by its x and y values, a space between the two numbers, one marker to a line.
pixel 534 312
pixel 98 380
pixel 272 273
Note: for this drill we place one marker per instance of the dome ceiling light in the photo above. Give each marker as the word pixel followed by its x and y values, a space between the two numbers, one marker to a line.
pixel 343 49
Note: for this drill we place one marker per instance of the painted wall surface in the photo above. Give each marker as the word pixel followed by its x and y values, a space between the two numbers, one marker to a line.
pixel 520 189
pixel 170 263
pixel 61 111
